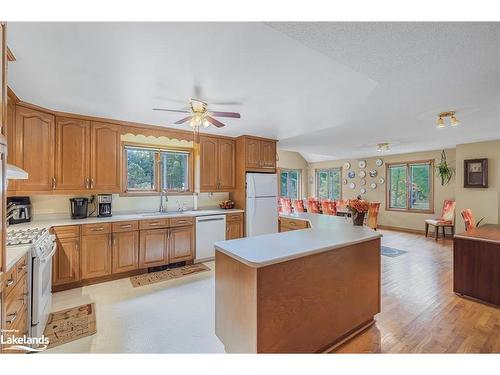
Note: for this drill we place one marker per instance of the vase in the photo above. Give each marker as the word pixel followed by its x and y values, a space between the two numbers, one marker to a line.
pixel 358 218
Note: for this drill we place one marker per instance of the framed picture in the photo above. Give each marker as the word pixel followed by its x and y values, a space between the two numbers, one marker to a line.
pixel 476 173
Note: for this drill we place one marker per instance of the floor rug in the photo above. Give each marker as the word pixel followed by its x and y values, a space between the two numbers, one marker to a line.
pixel 70 324
pixel 169 274
pixel 392 252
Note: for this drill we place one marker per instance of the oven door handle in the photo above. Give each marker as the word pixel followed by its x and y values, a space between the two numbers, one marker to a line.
pixel 48 257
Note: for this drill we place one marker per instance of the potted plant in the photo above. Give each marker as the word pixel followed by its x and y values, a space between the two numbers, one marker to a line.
pixel 358 208
pixel 444 170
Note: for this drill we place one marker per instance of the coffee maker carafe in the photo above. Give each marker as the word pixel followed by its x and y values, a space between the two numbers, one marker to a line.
pixel 104 205
pixel 79 208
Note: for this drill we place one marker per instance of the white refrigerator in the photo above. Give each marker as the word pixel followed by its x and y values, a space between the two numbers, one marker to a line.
pixel 262 204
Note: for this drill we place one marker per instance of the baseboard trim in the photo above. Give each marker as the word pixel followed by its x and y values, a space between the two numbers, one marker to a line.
pixel 399 229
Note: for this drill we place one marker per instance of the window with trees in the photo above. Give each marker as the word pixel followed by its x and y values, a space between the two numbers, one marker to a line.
pixel 290 183
pixel 328 185
pixel 410 186
pixel 154 170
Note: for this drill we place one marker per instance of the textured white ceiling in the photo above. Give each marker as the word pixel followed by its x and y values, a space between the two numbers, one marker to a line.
pixel 327 90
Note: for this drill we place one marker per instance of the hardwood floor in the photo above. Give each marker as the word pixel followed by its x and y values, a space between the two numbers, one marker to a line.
pixel 420 312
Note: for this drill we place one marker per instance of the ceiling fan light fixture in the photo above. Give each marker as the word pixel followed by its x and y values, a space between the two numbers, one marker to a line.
pixel 440 122
pixel 206 123
pixel 454 121
pixel 383 147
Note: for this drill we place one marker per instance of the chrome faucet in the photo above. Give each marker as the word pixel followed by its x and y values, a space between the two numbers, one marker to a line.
pixel 163 207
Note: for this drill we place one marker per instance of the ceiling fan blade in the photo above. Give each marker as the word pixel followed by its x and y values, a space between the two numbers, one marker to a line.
pixel 214 122
pixel 225 114
pixel 226 103
pixel 182 121
pixel 171 110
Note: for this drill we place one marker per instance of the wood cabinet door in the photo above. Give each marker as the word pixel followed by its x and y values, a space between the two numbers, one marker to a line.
pixel 66 261
pixel 268 154
pixel 208 163
pixel 72 154
pixel 234 230
pixel 153 249
pixel 10 129
pixel 226 167
pixel 253 149
pixel 34 148
pixel 95 255
pixel 105 157
pixel 181 244
pixel 125 251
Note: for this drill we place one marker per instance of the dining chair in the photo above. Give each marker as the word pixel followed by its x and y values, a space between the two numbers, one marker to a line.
pixel 373 209
pixel 329 207
pixel 446 220
pixel 298 205
pixel 313 206
pixel 469 219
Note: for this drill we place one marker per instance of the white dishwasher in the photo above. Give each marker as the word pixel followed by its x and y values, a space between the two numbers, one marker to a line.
pixel 209 229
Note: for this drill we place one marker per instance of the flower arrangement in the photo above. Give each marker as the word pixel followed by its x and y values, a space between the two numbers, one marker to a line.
pixel 358 205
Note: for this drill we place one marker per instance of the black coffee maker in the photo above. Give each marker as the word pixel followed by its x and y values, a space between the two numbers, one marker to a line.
pixel 104 205
pixel 79 208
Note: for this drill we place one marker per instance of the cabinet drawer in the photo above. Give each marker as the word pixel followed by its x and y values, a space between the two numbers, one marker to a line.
pixel 15 303
pixel 125 226
pixel 153 223
pixel 181 221
pixel 237 216
pixel 69 231
pixel 9 280
pixel 89 229
pixel 293 223
pixel 22 267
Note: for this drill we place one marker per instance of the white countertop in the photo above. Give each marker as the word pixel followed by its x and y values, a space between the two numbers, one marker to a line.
pixel 326 233
pixel 14 253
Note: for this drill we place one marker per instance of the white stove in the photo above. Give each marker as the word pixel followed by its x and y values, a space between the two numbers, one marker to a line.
pixel 42 247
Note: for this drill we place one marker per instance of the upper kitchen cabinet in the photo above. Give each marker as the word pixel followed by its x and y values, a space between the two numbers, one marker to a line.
pixel 259 154
pixel 105 157
pixel 217 164
pixel 72 154
pixel 33 149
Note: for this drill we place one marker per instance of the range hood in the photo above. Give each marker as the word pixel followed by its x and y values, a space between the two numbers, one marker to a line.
pixel 15 173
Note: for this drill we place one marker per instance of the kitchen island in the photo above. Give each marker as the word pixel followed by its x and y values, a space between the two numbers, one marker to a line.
pixel 302 291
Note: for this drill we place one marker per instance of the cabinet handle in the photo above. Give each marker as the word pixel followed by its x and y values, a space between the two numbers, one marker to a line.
pixel 97 229
pixel 53 183
pixel 91 183
pixel 114 241
pixel 126 226
pixel 22 268
pixel 76 245
pixel 154 223
pixel 9 282
pixel 12 319
pixel 110 240
pixel 86 183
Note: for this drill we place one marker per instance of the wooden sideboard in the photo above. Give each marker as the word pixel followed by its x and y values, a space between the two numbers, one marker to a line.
pixel 476 264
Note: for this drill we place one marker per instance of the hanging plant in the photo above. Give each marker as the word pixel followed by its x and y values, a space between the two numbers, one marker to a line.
pixel 444 170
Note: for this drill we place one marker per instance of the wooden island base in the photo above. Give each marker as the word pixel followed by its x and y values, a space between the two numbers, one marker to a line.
pixel 305 305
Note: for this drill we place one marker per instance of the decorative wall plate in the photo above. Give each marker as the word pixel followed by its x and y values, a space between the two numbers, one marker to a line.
pixel 379 162
pixel 351 174
pixel 362 191
pixel 362 174
pixel 347 165
pixel 362 163
pixel 373 185
pixel 362 182
pixel 381 180
pixel 345 181
pixel 352 185
pixel 373 173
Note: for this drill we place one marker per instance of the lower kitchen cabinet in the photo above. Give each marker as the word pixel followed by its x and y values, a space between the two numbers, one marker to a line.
pixel 95 255
pixel 125 251
pixel 181 244
pixel 153 250
pixel 234 226
pixel 66 261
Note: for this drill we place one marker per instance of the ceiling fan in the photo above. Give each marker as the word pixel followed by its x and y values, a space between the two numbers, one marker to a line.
pixel 199 115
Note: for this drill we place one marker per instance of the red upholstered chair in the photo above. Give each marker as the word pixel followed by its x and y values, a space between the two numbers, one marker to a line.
pixel 313 206
pixel 298 205
pixel 285 206
pixel 469 219
pixel 329 207
pixel 446 219
pixel 373 209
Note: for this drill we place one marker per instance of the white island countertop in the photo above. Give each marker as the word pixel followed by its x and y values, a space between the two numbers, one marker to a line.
pixel 325 233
